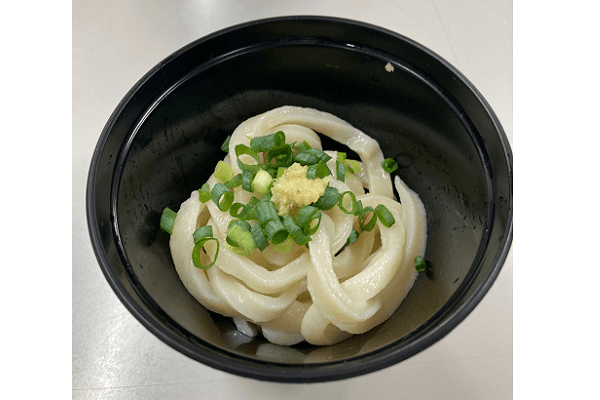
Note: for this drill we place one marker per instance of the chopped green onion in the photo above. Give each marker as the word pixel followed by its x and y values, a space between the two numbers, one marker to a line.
pixel 269 142
pixel 389 165
pixel 319 170
pixel 196 252
pixel 306 217
pixel 243 224
pixel 247 177
pixel 341 156
pixel 243 150
pixel 265 212
pixel 281 157
pixel 225 145
pixel 370 224
pixel 329 199
pixel 295 231
pixel 249 211
pixel 204 193
pixel 259 236
pixel 280 172
pixel 353 237
pixel 340 171
pixel 312 156
pixel 237 209
pixel 353 166
pixel 240 239
pixel 275 231
pixel 234 182
pixel 285 246
pixel 202 232
pixel 303 147
pixel 343 202
pixel 420 264
pixel 167 220
pixel 223 171
pixel 359 207
pixel 384 215
pixel 222 196
pixel 261 182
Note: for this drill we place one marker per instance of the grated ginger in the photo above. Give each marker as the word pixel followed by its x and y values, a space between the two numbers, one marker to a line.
pixel 293 190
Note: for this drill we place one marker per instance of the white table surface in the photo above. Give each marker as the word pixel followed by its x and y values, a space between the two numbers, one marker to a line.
pixel 114 357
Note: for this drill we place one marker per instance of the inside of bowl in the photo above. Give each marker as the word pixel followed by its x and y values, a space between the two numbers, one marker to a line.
pixel 176 144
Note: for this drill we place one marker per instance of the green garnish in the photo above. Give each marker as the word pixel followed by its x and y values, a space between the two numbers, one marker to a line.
pixel 269 142
pixel 222 196
pixel 225 145
pixel 223 171
pixel 329 199
pixel 340 171
pixel 347 202
pixel 367 219
pixel 167 220
pixel 353 237
pixel 204 193
pixel 384 215
pixel 389 165
pixel 420 264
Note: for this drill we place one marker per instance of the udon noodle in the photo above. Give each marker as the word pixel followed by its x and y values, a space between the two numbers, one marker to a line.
pixel 324 292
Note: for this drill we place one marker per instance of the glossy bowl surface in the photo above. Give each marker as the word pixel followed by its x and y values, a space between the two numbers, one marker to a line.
pixel 164 138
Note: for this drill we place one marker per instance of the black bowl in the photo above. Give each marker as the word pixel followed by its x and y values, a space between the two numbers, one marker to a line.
pixel 164 138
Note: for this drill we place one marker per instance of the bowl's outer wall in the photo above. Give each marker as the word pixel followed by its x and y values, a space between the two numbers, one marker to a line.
pixel 449 145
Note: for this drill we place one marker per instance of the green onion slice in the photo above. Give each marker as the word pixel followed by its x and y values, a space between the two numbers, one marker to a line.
pixel 359 207
pixel 241 150
pixel 222 196
pixel 268 142
pixel 247 178
pixel 302 147
pixel 340 171
pixel 312 156
pixel 341 156
pixel 234 182
pixel 202 232
pixel 249 211
pixel 329 199
pixel 366 223
pixel 309 219
pixel 319 170
pixel 347 199
pixel 237 209
pixel 196 252
pixel 389 165
pixel 223 171
pixel 167 220
pixel 259 236
pixel 265 212
pixel 204 193
pixel 353 237
pixel 240 239
pixel 261 182
pixel 285 246
pixel 295 231
pixel 275 231
pixel 384 215
pixel 225 145
pixel 420 264
pixel 281 157
pixel 353 166
pixel 280 172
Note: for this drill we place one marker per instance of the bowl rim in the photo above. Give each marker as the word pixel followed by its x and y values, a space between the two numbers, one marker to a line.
pixel 218 358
